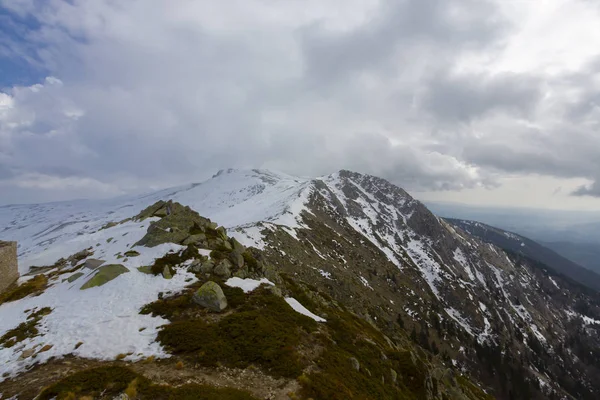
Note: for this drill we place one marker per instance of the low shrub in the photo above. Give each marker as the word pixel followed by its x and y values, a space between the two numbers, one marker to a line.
pixel 265 331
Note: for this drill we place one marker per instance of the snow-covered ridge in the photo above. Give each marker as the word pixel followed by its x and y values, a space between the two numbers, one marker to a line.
pixel 233 198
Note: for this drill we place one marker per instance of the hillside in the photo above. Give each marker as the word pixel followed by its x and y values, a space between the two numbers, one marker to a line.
pixel 342 287
pixel 585 254
pixel 521 245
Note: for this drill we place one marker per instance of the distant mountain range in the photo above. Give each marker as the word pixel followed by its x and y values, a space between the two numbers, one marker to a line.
pixel 521 245
pixel 585 254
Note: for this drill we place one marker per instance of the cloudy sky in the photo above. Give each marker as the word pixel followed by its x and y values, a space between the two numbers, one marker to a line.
pixel 483 102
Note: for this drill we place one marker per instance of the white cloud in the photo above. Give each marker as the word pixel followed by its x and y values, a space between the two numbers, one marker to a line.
pixel 429 94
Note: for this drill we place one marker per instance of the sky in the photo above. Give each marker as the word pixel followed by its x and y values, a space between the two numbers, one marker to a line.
pixel 486 102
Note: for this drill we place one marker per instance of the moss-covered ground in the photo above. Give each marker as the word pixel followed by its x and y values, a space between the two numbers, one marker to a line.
pixel 34 286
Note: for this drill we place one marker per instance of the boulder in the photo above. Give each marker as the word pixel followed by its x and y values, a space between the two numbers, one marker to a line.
pixel 211 296
pixel 207 267
pixel 223 270
pixel 104 275
pixel 92 263
pixel 237 246
pixel 237 259
pixel 166 273
pixel 195 266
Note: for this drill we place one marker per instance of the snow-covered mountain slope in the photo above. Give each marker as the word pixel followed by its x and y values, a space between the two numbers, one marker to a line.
pixel 46 232
pixel 518 244
pixel 361 242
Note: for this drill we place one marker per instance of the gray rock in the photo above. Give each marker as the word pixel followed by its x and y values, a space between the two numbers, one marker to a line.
pixel 222 233
pixel 211 296
pixel 237 246
pixel 355 363
pixel 223 270
pixel 241 273
pixel 195 266
pixel 194 239
pixel 237 259
pixel 92 263
pixel 207 267
pixel 393 376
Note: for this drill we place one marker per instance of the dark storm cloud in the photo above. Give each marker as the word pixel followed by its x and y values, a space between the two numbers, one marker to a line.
pixel 589 190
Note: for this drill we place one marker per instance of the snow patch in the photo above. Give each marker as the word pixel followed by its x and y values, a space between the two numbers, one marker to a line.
pixel 295 304
pixel 247 285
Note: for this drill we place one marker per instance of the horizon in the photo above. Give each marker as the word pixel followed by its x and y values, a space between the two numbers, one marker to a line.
pixel 459 207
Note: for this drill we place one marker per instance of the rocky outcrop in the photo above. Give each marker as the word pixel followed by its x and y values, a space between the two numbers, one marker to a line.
pixel 177 224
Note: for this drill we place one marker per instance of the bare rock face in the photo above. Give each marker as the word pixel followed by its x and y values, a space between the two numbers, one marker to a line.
pixel 211 296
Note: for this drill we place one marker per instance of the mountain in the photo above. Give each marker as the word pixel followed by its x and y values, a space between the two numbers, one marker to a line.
pixel 340 287
pixel 515 243
pixel 585 254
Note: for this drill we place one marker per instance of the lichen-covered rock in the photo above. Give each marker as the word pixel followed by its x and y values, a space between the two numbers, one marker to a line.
pixel 104 275
pixel 211 296
pixel 146 269
pixel 223 270
pixel 92 263
pixel 166 273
